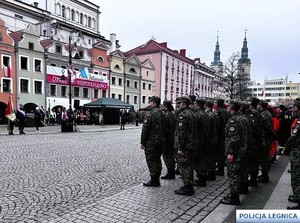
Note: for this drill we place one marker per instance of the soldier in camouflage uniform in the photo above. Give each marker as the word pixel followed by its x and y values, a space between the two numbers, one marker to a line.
pixel 185 145
pixel 169 131
pixel 292 148
pixel 192 105
pixel 220 149
pixel 176 113
pixel 268 137
pixel 203 131
pixel 213 141
pixel 235 144
pixel 152 141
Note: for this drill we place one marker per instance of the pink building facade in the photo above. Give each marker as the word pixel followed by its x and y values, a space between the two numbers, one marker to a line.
pixel 174 72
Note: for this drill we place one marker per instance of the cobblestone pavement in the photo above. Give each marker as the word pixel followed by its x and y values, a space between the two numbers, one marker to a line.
pixel 94 175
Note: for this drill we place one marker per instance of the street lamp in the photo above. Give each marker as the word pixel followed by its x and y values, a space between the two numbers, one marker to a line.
pixel 68 125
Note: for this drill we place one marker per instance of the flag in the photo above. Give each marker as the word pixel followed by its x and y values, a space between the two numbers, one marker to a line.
pixel 83 73
pixel 8 108
pixel 9 111
pixel 7 71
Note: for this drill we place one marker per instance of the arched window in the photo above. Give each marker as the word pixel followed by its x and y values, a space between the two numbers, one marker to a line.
pixel 72 15
pixel 63 11
pixel 81 18
pixel 100 59
pixel 117 66
pixel 93 23
pixel 89 22
pixel 132 70
pixel 58 9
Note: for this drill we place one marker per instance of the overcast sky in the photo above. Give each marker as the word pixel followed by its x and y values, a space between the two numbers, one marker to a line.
pixel 273 29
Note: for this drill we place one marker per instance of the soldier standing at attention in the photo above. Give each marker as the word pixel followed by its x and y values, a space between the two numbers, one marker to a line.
pixel 185 145
pixel 292 148
pixel 268 137
pixel 169 131
pixel 213 142
pixel 235 144
pixel 220 150
pixel 203 131
pixel 152 141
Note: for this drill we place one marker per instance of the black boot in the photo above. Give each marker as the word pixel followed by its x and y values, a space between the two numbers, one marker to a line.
pixel 294 207
pixel 244 188
pixel 232 199
pixel 169 176
pixel 293 199
pixel 253 182
pixel 200 182
pixel 187 190
pixel 220 172
pixel 264 178
pixel 154 182
pixel 211 176
pixel 177 171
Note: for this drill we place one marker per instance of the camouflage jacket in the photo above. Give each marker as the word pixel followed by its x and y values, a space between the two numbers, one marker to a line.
pixel 223 119
pixel 214 123
pixel 294 141
pixel 185 134
pixel 169 126
pixel 268 133
pixel 152 132
pixel 235 136
pixel 202 127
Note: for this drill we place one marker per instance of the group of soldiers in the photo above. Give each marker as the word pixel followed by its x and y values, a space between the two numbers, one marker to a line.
pixel 201 139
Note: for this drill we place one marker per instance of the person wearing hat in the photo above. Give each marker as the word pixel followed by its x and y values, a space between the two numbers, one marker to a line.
pixel 285 121
pixel 169 130
pixel 21 117
pixel 177 106
pixel 220 149
pixel 268 137
pixel 152 141
pixel 185 145
pixel 235 146
pixel 200 155
pixel 292 148
pixel 192 105
pixel 213 141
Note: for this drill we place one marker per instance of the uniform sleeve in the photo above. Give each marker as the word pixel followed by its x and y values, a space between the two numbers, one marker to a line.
pixel 233 139
pixel 182 126
pixel 146 129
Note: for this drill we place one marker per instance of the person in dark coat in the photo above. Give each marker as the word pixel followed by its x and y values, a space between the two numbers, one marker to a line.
pixel 285 120
pixel 37 118
pixel 123 121
pixel 21 117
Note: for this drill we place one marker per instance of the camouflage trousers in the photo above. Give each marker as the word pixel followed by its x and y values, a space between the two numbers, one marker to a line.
pixel 295 171
pixel 153 154
pixel 219 155
pixel 264 159
pixel 252 161
pixel 234 175
pixel 199 164
pixel 185 167
pixel 169 156
pixel 211 157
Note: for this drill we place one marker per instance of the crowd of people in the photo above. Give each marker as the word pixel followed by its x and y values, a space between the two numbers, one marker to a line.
pixel 203 136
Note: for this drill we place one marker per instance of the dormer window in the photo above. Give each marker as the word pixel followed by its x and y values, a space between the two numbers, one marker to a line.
pixel 117 66
pixel 132 70
pixel 100 59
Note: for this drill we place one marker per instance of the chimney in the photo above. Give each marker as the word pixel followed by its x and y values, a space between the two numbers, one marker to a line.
pixel 182 52
pixel 113 42
pixel 36 4
pixel 164 44
pixel 175 51
pixel 197 60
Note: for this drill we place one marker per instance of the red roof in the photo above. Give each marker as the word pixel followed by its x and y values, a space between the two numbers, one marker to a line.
pixel 46 43
pixel 17 36
pixel 153 47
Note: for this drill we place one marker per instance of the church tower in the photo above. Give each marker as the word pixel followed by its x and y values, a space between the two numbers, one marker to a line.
pixel 217 65
pixel 244 62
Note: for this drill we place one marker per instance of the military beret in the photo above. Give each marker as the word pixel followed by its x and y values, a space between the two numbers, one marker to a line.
pixel 186 99
pixel 209 103
pixel 235 104
pixel 178 99
pixel 192 97
pixel 155 99
pixel 263 103
pixel 201 101
pixel 167 102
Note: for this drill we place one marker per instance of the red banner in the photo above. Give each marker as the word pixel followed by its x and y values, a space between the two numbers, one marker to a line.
pixel 56 79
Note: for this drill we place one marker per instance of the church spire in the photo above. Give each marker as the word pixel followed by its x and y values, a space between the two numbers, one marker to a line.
pixel 217 53
pixel 244 53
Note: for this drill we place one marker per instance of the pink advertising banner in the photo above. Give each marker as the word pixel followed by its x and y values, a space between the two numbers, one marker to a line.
pixel 56 79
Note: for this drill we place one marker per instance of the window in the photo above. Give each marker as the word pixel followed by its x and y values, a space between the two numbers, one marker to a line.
pixel 144 86
pixel 113 81
pixel 127 98
pixel 113 95
pixel 24 63
pixel 132 70
pixel 81 18
pixel 38 87
pixel 85 92
pixel 120 82
pixel 100 59
pixel 128 83
pixel 81 53
pixel 144 99
pixel 96 93
pixel 31 46
pixel 24 86
pixel 104 74
pixel 117 67
pixel 135 99
pixel 135 84
pixel 37 65
pixel 53 64
pixel 18 16
pixel 6 85
pixel 149 87
pixel 72 15
pixel 63 91
pixel 120 97
pixel 89 22
pixel 63 10
pixel 53 90
pixel 76 91
pixel 104 93
pixel 6 61
pixel 1 37
pixel 147 73
pixel 58 48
